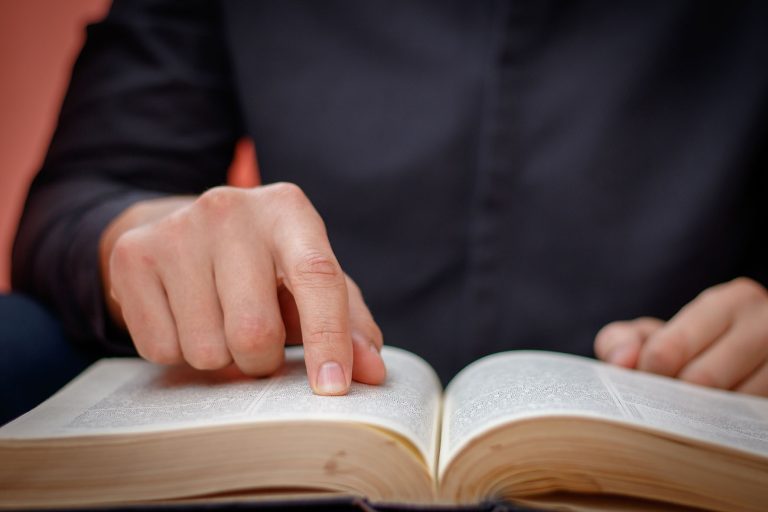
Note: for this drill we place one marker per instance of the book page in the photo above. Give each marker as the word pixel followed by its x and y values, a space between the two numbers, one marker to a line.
pixel 734 419
pixel 130 395
pixel 516 385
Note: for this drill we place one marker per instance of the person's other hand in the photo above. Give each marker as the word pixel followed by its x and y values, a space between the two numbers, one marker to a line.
pixel 720 339
pixel 232 276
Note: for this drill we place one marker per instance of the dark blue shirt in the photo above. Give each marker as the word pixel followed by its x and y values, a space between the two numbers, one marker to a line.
pixel 494 175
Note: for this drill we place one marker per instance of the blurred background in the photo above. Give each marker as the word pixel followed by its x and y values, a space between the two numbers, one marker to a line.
pixel 39 40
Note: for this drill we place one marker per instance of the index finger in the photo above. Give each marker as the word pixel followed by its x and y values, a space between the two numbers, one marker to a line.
pixel 311 273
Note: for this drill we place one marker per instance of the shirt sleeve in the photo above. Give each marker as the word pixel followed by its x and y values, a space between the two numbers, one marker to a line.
pixel 150 111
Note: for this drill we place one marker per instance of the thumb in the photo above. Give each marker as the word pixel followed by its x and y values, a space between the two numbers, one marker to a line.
pixel 619 343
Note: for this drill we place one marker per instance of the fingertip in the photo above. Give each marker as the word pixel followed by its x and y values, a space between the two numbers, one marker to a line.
pixel 368 365
pixel 260 365
pixel 618 344
pixel 625 355
pixel 329 359
pixel 331 380
pixel 604 340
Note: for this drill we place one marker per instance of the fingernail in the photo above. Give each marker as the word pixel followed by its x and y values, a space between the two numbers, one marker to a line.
pixel 330 379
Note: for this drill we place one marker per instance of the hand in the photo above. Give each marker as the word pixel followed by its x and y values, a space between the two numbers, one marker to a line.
pixel 234 275
pixel 720 339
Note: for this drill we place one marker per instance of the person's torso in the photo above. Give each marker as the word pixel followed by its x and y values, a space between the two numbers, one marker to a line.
pixel 514 175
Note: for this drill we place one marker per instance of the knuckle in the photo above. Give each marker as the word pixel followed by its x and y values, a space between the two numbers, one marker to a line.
pixel 327 336
pixel 285 191
pixel 712 294
pixel 128 251
pixel 315 266
pixel 219 203
pixel 216 197
pixel 279 198
pixel 749 289
pixel 254 335
pixel 741 290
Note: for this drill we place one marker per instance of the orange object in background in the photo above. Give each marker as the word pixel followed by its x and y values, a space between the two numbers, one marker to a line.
pixel 244 171
pixel 39 40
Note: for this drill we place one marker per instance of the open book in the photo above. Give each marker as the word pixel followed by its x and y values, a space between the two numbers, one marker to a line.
pixel 509 426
